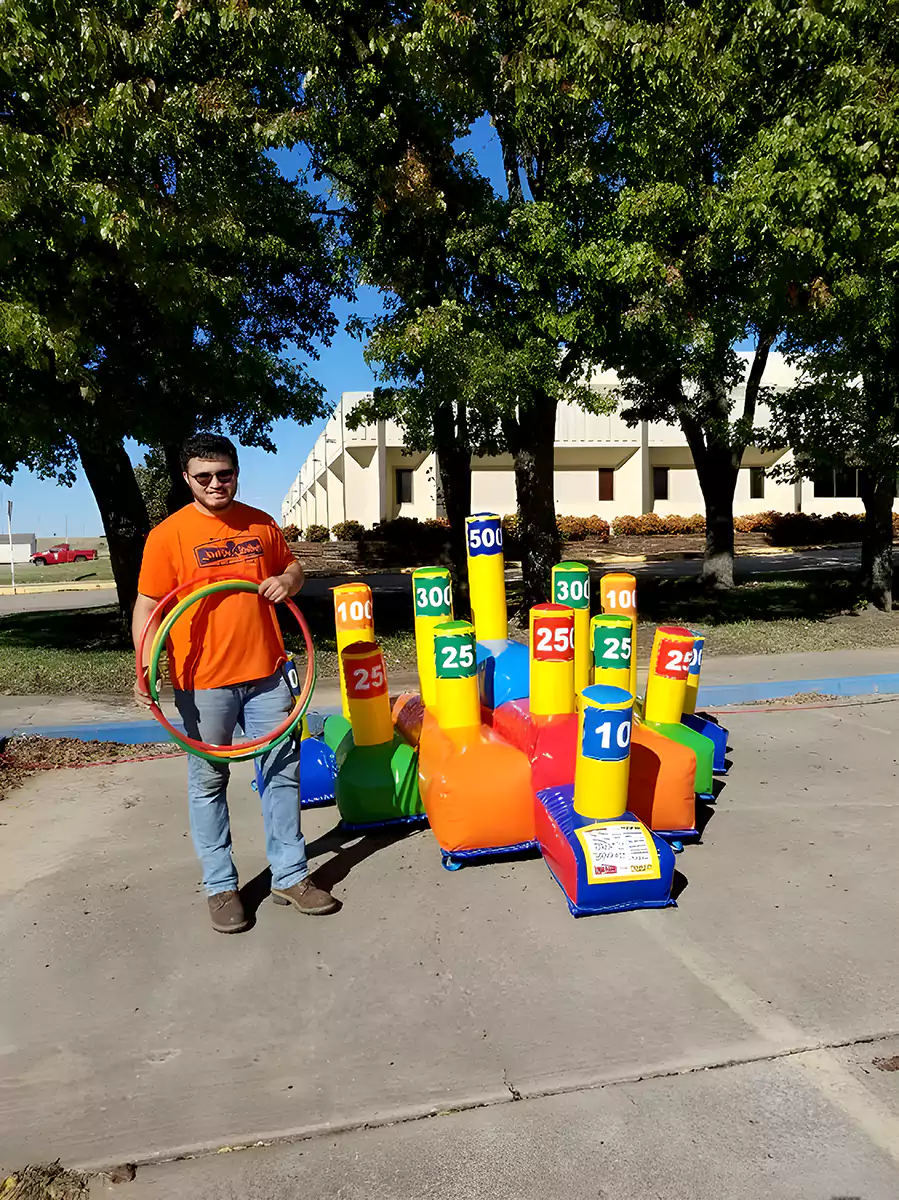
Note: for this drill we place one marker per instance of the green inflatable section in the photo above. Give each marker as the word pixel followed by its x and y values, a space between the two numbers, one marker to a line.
pixel 374 783
pixel 701 746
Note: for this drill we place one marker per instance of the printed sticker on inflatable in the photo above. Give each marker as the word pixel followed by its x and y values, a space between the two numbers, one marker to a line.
pixel 694 667
pixel 607 734
pixel 365 677
pixel 553 639
pixel 618 851
pixel 673 661
pixel 455 657
pixel 432 598
pixel 611 647
pixel 617 599
pixel 484 537
pixel 353 612
pixel 571 588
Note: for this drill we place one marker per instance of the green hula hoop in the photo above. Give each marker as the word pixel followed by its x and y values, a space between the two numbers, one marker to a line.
pixel 156 653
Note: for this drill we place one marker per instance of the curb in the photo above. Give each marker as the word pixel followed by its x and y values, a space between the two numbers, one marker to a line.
pixel 31 589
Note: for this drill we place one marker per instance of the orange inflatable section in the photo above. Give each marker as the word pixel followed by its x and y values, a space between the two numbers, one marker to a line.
pixel 475 787
pixel 660 789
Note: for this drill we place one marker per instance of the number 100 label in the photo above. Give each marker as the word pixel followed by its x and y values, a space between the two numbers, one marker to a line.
pixel 456 658
pixel 607 734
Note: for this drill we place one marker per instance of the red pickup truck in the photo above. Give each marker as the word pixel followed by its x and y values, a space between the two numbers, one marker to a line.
pixel 63 553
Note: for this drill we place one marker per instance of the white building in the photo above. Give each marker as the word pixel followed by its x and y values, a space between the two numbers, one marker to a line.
pixel 603 467
pixel 23 546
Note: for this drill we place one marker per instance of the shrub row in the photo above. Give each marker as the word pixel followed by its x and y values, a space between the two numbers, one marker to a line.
pixel 414 537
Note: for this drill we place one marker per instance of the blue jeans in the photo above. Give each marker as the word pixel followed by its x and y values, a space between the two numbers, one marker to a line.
pixel 212 714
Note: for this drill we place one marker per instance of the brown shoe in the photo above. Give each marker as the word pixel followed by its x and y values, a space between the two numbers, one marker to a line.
pixel 306 898
pixel 227 912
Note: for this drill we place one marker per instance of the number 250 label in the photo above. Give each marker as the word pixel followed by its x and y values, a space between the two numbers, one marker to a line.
pixel 674 658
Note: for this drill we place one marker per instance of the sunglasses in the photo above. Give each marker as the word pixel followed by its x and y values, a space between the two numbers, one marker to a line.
pixel 204 478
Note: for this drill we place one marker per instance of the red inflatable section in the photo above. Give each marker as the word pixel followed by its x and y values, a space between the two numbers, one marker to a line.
pixel 550 743
pixel 556 850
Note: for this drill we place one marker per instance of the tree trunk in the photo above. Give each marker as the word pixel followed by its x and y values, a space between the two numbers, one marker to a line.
pixel 716 465
pixel 877 539
pixel 179 493
pixel 532 441
pixel 454 463
pixel 122 509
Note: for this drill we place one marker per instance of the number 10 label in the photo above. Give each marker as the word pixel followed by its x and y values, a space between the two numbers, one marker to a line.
pixel 607 734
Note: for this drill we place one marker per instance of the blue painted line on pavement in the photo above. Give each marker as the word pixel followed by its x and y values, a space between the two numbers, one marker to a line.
pixel 717 695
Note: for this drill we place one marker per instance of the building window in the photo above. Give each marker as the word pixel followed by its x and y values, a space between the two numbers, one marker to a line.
pixel 756 483
pixel 606 483
pixel 403 486
pixel 836 484
pixel 660 483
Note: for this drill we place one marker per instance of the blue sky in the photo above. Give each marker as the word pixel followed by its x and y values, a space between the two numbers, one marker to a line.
pixel 45 509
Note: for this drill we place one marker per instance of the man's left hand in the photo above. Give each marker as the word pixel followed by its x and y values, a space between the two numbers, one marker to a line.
pixel 276 588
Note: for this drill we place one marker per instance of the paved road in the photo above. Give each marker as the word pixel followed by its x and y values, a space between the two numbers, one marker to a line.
pixel 723 1050
pixel 794 562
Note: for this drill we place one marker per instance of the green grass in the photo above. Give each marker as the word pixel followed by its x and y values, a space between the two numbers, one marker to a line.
pixel 100 570
pixel 87 650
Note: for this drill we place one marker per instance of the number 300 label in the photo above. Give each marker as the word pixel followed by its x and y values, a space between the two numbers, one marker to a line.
pixel 607 734
pixel 674 659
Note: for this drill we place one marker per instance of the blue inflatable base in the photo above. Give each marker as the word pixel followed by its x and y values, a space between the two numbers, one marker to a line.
pixel 504 672
pixel 590 888
pixel 372 826
pixel 318 771
pixel 454 859
pixel 716 734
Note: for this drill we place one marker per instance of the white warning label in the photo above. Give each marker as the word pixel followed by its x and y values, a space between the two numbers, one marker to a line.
pixel 617 851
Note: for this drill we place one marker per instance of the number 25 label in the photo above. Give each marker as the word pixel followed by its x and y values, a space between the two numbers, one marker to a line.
pixel 365 678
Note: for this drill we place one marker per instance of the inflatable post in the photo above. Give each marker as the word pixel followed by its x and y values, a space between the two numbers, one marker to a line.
pixel 487 576
pixel 672 651
pixel 458 703
pixel 354 621
pixel 602 857
pixel 432 599
pixel 611 637
pixel 716 733
pixel 618 594
pixel 552 660
pixel 377 772
pixel 571 587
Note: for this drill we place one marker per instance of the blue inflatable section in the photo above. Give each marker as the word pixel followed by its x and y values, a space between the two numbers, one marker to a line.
pixel 585 856
pixel 716 734
pixel 504 672
pixel 318 771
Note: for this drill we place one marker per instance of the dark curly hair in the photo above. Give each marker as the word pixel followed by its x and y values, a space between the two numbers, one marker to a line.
pixel 209 446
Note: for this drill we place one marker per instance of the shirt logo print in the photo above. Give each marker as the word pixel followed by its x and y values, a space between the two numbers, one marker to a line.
pixel 228 551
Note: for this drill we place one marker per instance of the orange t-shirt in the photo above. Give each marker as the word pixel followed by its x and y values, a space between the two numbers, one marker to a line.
pixel 230 637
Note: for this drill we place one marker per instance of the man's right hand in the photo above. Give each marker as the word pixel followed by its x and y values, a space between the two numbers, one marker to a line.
pixel 141 693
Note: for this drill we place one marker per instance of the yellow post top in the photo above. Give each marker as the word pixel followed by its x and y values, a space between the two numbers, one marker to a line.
pixel 602 766
pixel 363 670
pixel 456 666
pixel 552 660
pixel 669 665
pixel 694 672
pixel 486 576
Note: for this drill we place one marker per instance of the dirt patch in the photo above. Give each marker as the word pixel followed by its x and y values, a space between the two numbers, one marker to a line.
pixel 22 757
pixel 45 1183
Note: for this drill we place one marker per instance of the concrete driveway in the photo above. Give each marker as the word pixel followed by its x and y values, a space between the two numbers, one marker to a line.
pixel 725 1048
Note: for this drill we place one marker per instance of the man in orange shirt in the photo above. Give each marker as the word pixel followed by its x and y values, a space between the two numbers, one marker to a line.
pixel 225 660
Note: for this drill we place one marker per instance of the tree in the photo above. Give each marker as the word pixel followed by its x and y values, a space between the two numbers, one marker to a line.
pixel 158 271
pixel 463 261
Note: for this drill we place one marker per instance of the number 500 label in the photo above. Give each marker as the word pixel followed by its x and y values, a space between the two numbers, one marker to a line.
pixel 484 537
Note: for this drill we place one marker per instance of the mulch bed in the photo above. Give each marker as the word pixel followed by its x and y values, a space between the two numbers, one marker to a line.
pixel 45 1183
pixel 22 757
